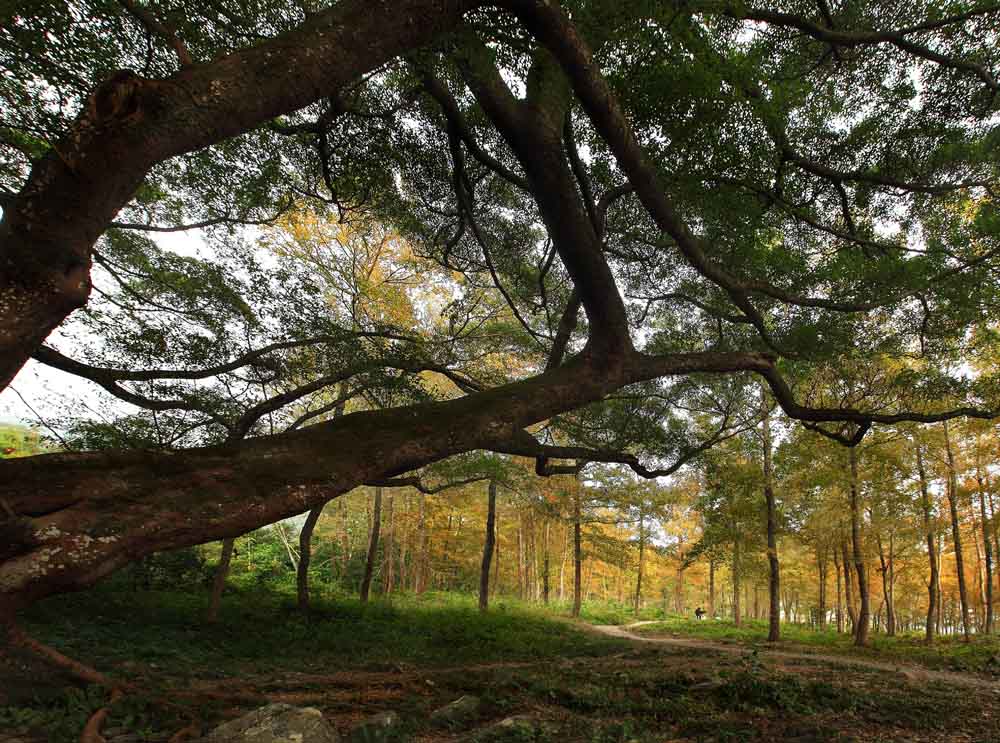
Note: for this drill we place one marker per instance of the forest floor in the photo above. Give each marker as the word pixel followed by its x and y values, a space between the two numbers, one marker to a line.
pixel 562 681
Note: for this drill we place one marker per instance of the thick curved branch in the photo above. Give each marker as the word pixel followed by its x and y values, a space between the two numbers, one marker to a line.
pixel 131 123
pixel 417 483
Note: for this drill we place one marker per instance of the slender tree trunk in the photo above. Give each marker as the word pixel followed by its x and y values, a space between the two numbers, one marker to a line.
pixel 389 547
pixel 821 564
pixel 642 550
pixel 219 584
pixel 774 577
pixel 956 534
pixel 305 557
pixel 736 580
pixel 996 532
pixel 987 546
pixel 577 551
pixel 711 587
pixel 404 544
pixel 890 622
pixel 488 545
pixel 420 570
pixel 495 588
pixel 345 542
pixel 679 589
pixel 840 605
pixel 940 594
pixel 366 582
pixel 545 564
pixel 563 556
pixel 521 578
pixel 980 610
pixel 861 629
pixel 852 614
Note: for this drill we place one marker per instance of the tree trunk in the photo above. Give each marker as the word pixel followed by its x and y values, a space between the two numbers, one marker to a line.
pixel 864 611
pixel 488 545
pixel 886 570
pixel 219 584
pixel 679 607
pixel 642 550
pixel 987 546
pixel 840 605
pixel 495 587
pixel 711 587
pixel 420 569
pixel 366 582
pixel 821 564
pixel 736 580
pixel 305 557
pixel 545 564
pixel 774 577
pixel 577 552
pixel 852 614
pixel 956 534
pixel 388 548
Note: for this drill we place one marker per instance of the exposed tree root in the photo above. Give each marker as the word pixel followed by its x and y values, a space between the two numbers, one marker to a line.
pixel 18 636
pixel 92 730
pixel 190 731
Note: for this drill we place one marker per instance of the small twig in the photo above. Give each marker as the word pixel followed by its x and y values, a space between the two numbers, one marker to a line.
pixel 41 420
pixel 155 26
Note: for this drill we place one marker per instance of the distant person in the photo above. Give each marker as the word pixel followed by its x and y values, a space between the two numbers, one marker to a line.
pixel 699 613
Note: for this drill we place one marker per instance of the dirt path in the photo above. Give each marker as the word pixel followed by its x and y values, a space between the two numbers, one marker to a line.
pixel 910 672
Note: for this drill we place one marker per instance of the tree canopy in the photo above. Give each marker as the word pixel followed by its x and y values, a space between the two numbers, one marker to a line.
pixel 569 231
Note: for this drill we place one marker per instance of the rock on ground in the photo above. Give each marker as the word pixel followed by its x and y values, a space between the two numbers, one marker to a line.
pixel 275 723
pixel 457 713
pixel 385 727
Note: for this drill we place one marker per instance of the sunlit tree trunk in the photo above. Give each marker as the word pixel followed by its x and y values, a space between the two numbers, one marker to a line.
pixel 219 583
pixel 956 534
pixel 711 587
pixel 987 546
pixel 642 551
pixel 774 577
pixel 821 566
pixel 852 614
pixel 886 569
pixel 420 569
pixel 366 582
pixel 840 605
pixel 577 551
pixel 736 579
pixel 864 611
pixel 488 545
pixel 545 564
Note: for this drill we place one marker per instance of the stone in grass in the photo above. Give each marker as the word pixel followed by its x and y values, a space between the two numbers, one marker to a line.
pixel 517 728
pixel 275 723
pixel 384 727
pixel 457 714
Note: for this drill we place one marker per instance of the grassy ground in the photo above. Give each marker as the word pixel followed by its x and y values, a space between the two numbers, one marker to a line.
pixel 982 655
pixel 416 655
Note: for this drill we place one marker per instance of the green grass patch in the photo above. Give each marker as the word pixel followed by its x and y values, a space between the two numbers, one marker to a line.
pixel 264 631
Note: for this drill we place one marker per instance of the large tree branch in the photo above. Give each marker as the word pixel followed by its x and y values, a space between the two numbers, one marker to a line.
pixel 131 123
pixel 419 484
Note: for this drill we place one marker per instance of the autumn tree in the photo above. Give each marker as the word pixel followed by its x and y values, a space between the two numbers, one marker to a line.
pixel 746 200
